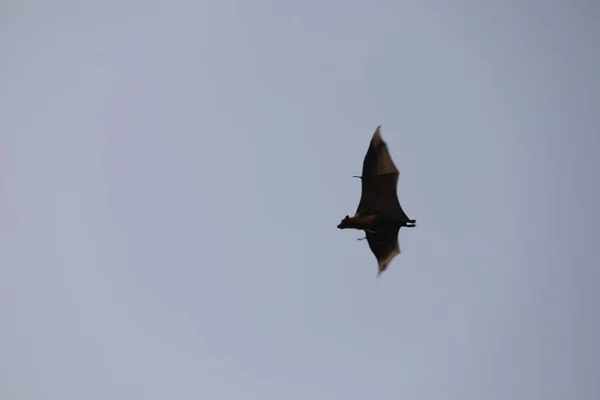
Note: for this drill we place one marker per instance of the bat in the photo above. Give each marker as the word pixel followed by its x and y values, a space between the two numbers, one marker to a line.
pixel 379 213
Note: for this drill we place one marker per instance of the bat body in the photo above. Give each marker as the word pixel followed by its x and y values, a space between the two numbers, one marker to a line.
pixel 379 213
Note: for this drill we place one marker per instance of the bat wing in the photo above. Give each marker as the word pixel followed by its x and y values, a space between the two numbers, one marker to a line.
pixel 384 245
pixel 379 181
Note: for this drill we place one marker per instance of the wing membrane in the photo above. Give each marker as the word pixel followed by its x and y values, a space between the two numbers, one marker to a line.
pixel 384 245
pixel 379 181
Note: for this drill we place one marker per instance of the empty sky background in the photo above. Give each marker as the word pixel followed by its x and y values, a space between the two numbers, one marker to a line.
pixel 172 174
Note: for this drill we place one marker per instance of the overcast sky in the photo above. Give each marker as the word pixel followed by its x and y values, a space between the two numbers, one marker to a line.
pixel 172 174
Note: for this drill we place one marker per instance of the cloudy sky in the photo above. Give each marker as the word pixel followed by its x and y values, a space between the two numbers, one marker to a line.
pixel 172 174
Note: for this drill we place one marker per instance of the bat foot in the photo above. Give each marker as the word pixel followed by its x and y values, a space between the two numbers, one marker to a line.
pixel 362 238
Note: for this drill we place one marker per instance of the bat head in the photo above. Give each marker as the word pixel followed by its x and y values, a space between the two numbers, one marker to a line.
pixel 345 223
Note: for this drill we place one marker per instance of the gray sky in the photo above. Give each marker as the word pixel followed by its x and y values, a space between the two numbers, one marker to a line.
pixel 172 175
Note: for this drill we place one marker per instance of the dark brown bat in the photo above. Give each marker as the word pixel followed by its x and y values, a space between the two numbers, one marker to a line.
pixel 379 213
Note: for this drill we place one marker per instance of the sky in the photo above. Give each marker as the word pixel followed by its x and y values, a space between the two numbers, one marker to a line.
pixel 172 174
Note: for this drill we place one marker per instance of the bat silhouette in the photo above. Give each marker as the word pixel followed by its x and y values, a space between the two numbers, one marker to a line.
pixel 379 213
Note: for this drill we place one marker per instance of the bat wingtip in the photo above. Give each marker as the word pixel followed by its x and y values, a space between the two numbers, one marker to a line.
pixel 377 134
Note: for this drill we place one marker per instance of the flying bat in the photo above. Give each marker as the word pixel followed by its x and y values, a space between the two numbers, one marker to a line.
pixel 379 213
